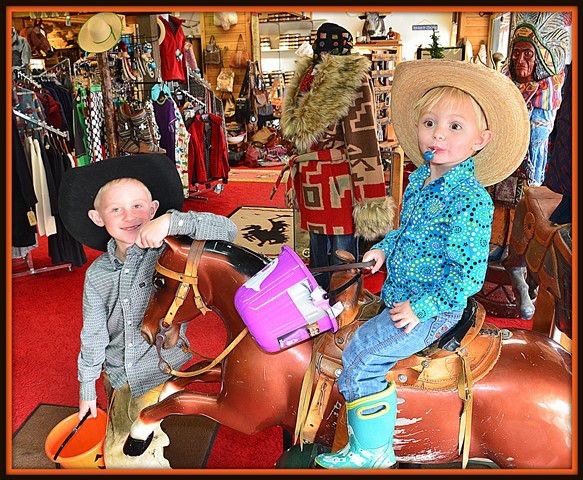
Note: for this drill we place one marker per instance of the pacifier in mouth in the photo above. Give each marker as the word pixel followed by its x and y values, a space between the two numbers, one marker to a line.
pixel 429 154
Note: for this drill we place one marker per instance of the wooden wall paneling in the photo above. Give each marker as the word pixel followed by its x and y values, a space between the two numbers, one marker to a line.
pixel 226 39
pixel 474 27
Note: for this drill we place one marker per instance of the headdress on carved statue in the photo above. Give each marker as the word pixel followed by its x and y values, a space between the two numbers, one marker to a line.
pixel 546 32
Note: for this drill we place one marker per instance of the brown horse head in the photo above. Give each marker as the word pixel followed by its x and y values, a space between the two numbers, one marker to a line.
pixel 220 270
pixel 36 35
pixel 174 259
pixel 209 282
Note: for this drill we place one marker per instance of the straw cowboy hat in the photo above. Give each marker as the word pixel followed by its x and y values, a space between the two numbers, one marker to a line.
pixel 101 32
pixel 79 187
pixel 501 101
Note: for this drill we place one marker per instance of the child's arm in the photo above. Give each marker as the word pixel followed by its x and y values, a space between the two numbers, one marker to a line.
pixel 94 340
pixel 466 253
pixel 198 225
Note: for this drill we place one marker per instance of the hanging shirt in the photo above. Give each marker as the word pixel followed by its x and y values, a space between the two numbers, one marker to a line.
pixel 438 256
pixel 174 138
pixel 172 63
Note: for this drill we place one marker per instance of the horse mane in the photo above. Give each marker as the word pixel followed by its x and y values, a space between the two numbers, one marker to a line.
pixel 243 260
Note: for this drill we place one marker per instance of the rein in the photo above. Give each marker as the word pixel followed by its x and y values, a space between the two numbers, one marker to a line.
pixel 189 279
pixel 338 268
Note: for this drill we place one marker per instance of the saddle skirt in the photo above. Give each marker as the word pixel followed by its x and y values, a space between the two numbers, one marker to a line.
pixel 431 369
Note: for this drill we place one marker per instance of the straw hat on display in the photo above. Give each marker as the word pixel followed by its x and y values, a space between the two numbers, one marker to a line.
pixel 101 32
pixel 162 28
pixel 503 105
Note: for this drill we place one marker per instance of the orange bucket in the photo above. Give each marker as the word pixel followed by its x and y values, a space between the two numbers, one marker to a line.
pixel 78 444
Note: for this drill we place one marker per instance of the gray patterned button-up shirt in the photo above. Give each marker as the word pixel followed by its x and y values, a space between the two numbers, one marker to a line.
pixel 115 298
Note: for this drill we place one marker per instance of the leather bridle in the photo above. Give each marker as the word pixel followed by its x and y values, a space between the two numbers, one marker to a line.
pixel 189 278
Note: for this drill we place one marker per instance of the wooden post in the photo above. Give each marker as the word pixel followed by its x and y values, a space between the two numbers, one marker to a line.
pixel 397 164
pixel 110 130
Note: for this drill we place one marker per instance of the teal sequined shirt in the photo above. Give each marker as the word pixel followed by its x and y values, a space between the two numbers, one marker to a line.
pixel 438 256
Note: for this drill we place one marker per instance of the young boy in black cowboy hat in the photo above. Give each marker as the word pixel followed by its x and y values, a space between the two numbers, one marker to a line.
pixel 125 207
pixel 465 127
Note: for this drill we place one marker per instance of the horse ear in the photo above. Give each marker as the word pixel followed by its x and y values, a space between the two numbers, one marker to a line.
pixel 173 243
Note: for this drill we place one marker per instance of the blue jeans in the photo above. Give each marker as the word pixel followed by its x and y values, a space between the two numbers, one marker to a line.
pixel 376 347
pixel 322 248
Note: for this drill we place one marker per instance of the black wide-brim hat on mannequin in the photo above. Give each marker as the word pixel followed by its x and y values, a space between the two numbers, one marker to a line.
pixel 79 187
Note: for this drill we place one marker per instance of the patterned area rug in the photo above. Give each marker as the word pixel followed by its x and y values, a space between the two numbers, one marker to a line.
pixel 264 229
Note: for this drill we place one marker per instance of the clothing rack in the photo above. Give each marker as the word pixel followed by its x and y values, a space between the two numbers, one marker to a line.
pixel 66 61
pixel 41 123
pixel 32 271
pixel 28 258
pixel 20 75
pixel 190 96
pixel 215 186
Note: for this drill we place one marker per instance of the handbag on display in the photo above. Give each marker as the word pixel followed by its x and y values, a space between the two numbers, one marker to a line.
pixel 276 97
pixel 253 154
pixel 212 52
pixel 243 102
pixel 262 136
pixel 225 80
pixel 261 95
pixel 229 109
pixel 241 55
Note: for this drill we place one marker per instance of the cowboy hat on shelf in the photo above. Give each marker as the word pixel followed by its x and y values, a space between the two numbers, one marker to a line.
pixel 101 32
pixel 503 105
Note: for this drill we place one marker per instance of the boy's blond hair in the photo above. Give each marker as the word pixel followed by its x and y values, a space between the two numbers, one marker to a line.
pixel 453 96
pixel 117 181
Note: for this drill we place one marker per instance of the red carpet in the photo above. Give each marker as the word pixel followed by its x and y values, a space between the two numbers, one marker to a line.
pixel 47 318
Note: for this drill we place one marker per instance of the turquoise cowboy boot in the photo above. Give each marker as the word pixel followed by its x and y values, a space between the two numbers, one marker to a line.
pixel 371 423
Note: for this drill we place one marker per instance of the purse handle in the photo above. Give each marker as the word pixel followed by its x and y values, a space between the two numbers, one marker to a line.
pixel 240 43
pixel 244 92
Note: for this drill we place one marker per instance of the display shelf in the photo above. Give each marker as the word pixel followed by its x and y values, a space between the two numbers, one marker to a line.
pixel 283 17
pixel 278 50
pixel 287 36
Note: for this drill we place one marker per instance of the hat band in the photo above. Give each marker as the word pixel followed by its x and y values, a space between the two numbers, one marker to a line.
pixel 106 38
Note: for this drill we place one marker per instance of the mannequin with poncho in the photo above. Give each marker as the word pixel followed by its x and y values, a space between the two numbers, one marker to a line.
pixel 336 180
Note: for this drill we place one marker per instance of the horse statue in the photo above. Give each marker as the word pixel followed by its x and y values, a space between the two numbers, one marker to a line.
pixel 521 415
pixel 36 35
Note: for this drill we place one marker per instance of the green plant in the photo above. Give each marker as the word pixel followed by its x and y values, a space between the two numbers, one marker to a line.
pixel 436 51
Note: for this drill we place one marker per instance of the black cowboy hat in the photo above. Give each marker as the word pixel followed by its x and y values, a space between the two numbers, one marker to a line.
pixel 80 185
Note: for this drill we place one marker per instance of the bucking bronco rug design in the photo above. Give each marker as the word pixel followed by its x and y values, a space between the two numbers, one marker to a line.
pixel 263 229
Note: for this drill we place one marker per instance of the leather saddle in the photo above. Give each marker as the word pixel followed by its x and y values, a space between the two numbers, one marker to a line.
pixel 533 232
pixel 438 366
pixel 463 355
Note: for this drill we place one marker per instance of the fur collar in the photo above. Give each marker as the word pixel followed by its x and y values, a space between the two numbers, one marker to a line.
pixel 338 77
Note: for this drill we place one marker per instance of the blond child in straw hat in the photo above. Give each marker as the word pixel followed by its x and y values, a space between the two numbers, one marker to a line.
pixel 465 127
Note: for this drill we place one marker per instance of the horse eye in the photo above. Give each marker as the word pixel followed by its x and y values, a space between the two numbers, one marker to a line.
pixel 159 282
